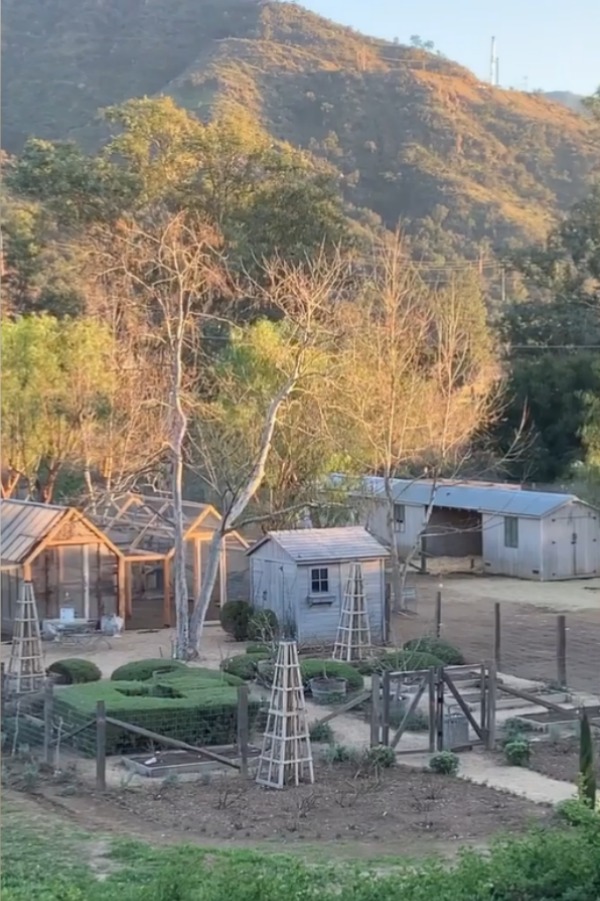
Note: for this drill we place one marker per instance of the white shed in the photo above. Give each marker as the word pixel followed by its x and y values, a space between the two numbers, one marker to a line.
pixel 302 574
pixel 518 532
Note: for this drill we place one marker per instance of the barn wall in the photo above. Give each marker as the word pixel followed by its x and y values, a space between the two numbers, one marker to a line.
pixel 274 581
pixel 456 533
pixel 374 518
pixel 571 543
pixel 238 571
pixel 524 561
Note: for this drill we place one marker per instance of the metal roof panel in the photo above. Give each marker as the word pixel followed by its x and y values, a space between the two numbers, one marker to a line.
pixel 321 545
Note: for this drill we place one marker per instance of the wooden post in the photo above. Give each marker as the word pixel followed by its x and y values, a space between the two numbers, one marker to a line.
pixel 48 710
pixel 2 690
pixel 561 649
pixel 167 591
pixel 423 555
pixel 387 614
pixel 483 700
pixel 375 709
pixel 385 710
pixel 438 614
pixel 439 708
pixel 242 729
pixel 123 588
pixel 223 574
pixel 196 566
pixel 497 636
pixel 100 746
pixel 85 578
pixel 432 720
pixel 491 707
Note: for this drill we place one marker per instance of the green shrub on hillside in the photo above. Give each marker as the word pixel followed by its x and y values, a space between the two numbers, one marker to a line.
pixel 73 671
pixel 445 652
pixel 142 670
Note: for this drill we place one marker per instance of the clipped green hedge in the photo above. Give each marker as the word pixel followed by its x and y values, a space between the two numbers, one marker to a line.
pixel 142 670
pixel 74 671
pixel 447 653
pixel 398 661
pixel 244 666
pixel 195 706
pixel 313 668
pixel 260 649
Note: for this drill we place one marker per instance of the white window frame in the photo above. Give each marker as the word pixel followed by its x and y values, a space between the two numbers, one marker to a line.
pixel 399 521
pixel 321 579
pixel 511 532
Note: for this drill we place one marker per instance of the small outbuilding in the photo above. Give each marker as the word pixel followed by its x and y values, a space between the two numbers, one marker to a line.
pixel 70 562
pixel 528 534
pixel 142 526
pixel 301 575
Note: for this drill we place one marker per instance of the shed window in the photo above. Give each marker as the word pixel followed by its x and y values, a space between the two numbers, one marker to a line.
pixel 511 531
pixel 399 517
pixel 319 580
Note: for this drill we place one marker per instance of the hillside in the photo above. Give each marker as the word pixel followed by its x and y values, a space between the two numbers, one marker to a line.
pixel 414 136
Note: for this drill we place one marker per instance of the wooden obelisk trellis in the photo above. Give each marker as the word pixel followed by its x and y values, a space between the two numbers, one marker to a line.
pixel 286 757
pixel 353 639
pixel 25 671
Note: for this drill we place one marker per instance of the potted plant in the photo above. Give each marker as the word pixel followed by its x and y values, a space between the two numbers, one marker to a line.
pixel 328 689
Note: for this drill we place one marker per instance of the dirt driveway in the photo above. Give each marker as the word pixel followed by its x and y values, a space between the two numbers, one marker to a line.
pixel 528 623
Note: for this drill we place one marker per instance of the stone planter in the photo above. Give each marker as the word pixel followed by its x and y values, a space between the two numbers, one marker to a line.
pixel 325 690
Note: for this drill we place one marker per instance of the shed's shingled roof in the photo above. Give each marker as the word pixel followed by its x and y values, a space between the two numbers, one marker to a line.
pixel 322 545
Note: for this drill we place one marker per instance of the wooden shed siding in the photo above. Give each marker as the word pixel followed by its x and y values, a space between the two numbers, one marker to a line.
pixel 522 562
pixel 374 518
pixel 564 558
pixel 281 585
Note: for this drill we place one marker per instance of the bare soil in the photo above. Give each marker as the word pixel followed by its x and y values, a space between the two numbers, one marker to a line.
pixel 528 623
pixel 560 759
pixel 341 806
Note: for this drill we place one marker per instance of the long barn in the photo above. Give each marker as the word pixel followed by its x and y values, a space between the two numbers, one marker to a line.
pixel 527 534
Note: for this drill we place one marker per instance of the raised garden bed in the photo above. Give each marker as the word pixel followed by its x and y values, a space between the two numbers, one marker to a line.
pixel 176 763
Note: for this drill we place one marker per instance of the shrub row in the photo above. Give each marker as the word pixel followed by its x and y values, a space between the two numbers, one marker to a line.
pixel 192 705
pixel 74 671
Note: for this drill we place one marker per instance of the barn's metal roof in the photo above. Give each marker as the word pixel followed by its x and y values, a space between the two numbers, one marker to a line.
pixel 23 525
pixel 507 500
pixel 322 545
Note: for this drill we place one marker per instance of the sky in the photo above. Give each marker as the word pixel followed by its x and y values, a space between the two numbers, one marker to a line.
pixel 548 44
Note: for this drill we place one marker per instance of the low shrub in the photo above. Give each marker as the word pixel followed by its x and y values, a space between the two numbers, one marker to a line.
pixel 445 763
pixel 380 757
pixel 74 671
pixel 321 733
pixel 195 706
pixel 398 661
pixel 418 721
pixel 142 670
pixel 259 649
pixel 517 752
pixel 235 617
pixel 313 669
pixel 263 625
pixel 244 666
pixel 447 653
pixel 341 754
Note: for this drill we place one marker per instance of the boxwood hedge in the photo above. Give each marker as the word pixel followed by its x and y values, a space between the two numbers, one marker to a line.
pixel 195 706
pixel 141 670
pixel 73 671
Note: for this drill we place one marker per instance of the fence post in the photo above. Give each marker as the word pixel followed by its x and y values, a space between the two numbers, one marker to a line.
pixel 242 729
pixel 497 636
pixel 2 689
pixel 491 707
pixel 385 710
pixel 375 709
pixel 561 649
pixel 100 746
pixel 438 614
pixel 439 708
pixel 48 711
pixel 432 719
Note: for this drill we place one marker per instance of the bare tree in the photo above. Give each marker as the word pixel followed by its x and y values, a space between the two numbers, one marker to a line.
pixel 419 377
pixel 234 460
pixel 171 274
